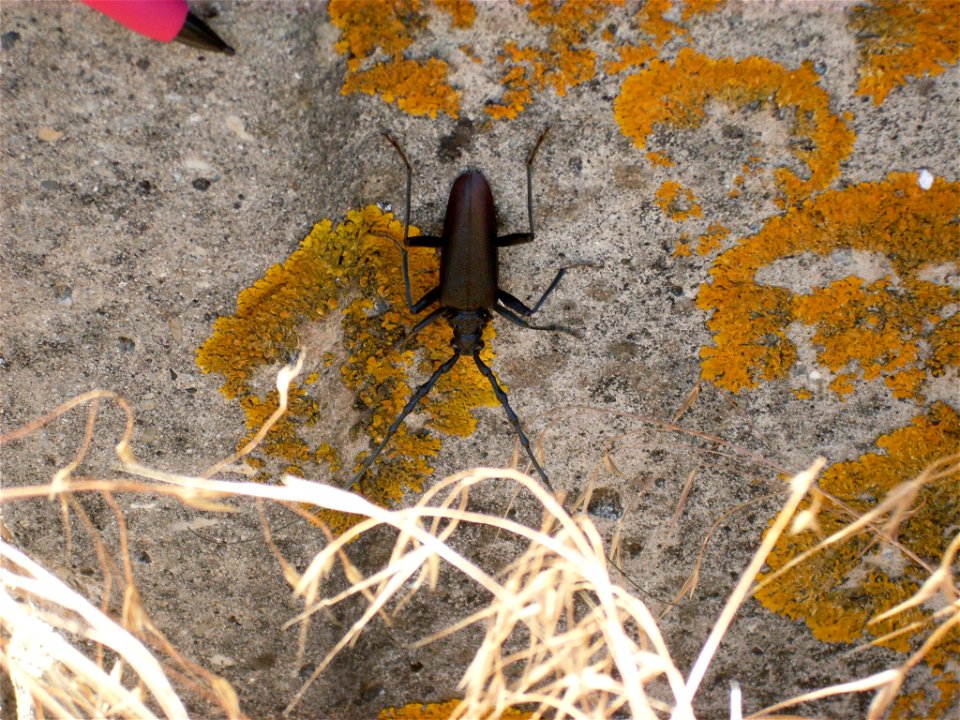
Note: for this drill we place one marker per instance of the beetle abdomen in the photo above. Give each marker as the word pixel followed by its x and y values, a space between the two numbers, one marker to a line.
pixel 468 258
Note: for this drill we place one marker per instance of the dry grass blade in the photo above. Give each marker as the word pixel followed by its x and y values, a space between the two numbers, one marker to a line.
pixel 689 586
pixel 681 503
pixel 687 402
pixel 883 520
pixel 799 486
pixel 42 609
pixel 880 680
pixel 591 648
pixel 559 635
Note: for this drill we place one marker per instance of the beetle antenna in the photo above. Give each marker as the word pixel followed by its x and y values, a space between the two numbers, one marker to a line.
pixel 407 409
pixel 511 415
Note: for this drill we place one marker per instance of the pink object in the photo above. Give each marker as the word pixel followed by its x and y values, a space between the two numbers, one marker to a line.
pixel 158 19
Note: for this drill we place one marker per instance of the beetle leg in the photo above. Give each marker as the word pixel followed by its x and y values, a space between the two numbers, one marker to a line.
pixel 433 241
pixel 403 156
pixel 514 239
pixel 511 416
pixel 517 320
pixel 407 409
pixel 406 216
pixel 520 238
pixel 518 306
pixel 426 321
pixel 429 297
pixel 530 157
pixel 406 219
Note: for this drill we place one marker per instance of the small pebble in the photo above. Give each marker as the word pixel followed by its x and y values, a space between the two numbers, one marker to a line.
pixel 47 134
pixel 605 503
pixel 8 40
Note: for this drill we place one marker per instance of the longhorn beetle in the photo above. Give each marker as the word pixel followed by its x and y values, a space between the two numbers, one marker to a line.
pixel 469 286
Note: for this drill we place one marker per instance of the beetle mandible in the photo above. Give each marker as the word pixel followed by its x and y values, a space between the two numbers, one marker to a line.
pixel 469 286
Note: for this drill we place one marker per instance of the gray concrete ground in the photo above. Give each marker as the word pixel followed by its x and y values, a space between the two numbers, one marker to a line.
pixel 145 185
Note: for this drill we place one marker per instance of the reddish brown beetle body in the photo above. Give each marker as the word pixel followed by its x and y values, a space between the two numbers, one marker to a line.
pixel 468 256
pixel 469 288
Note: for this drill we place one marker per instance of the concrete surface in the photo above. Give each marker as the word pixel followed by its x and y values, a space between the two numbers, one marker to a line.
pixel 145 185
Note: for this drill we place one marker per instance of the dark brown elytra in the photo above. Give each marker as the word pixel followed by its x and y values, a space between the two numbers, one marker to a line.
pixel 469 286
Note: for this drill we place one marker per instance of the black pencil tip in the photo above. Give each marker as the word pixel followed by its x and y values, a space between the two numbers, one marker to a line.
pixel 196 33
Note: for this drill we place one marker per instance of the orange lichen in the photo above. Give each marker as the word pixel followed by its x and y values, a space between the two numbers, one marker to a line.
pixel 378 38
pixel 656 158
pixel 697 7
pixel 440 711
pixel 838 589
pixel 712 239
pixel 678 94
pixel 900 39
pixel 374 36
pixel 677 201
pixel 899 328
pixel 682 248
pixel 418 88
pixel 864 324
pixel 366 27
pixel 563 64
pixel 344 286
pixel 653 21
pixel 462 12
pixel 631 56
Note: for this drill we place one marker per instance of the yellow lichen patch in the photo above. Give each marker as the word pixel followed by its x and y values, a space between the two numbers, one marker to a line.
pixel 656 158
pixel 677 201
pixel 378 37
pixel 418 88
pixel 366 27
pixel 652 17
pixel 440 711
pixel 682 248
pixel 712 239
pixel 563 64
pixel 677 94
pixel 631 56
pixel 874 326
pixel 348 275
pixel 374 36
pixel 900 328
pixel 462 12
pixel 653 21
pixel 837 590
pixel 900 39
pixel 696 7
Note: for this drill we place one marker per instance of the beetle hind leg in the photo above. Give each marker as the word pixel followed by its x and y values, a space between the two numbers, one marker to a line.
pixel 511 416
pixel 395 425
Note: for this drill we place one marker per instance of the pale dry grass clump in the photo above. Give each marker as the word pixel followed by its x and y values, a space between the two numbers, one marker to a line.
pixel 561 637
